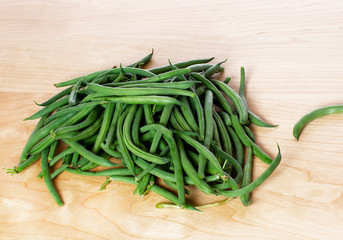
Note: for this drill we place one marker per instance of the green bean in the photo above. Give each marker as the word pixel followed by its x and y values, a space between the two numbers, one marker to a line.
pixel 41 133
pixel 200 115
pixel 320 112
pixel 126 156
pixel 168 136
pixel 204 67
pixel 208 131
pixel 86 78
pixel 89 131
pixel 232 161
pixel 145 171
pixel 136 124
pixel 52 150
pixel 161 191
pixel 254 119
pixel 148 114
pixel 75 159
pixel 227 145
pixel 250 187
pixel 111 152
pixel 227 80
pixel 143 61
pixel 47 178
pixel 91 118
pixel 89 155
pixel 225 105
pixel 132 147
pixel 242 85
pixel 176 85
pixel 212 70
pixel 187 113
pixel 107 172
pixel 225 118
pixel 48 109
pixel 163 121
pixel 248 142
pixel 204 151
pixel 58 171
pixel 112 129
pixel 216 137
pixel 106 120
pixel 249 133
pixel 119 91
pixel 73 94
pixel 181 120
pixel 190 170
pixel 39 125
pixel 73 110
pixel 21 166
pixel 142 185
pixel 246 198
pixel 56 97
pixel 238 146
pixel 159 100
pixel 167 68
pixel 238 102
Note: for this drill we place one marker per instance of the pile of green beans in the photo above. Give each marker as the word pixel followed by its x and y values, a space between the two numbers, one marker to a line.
pixel 169 128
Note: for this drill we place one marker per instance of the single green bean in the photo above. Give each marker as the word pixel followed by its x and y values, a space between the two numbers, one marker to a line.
pixel 176 85
pixel 143 61
pixel 159 100
pixel 167 68
pixel 254 119
pixel 187 113
pixel 208 131
pixel 48 109
pixel 212 70
pixel 320 112
pixel 112 129
pixel 107 172
pixel 47 178
pixel 246 198
pixel 227 145
pixel 56 97
pixel 249 133
pixel 238 146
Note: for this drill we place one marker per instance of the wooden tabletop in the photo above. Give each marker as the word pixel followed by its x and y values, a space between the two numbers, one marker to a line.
pixel 293 55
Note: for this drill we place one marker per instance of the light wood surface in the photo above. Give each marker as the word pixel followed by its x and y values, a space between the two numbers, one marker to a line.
pixel 293 55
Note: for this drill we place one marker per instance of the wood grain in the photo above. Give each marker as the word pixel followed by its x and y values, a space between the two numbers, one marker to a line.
pixel 293 55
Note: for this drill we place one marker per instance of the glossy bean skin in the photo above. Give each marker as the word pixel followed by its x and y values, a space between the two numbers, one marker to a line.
pixel 320 112
pixel 212 70
pixel 225 138
pixel 112 129
pixel 187 113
